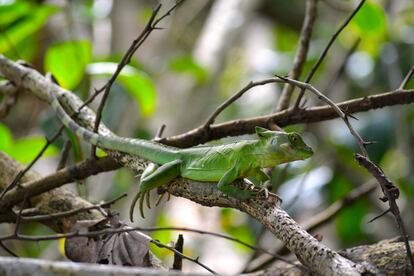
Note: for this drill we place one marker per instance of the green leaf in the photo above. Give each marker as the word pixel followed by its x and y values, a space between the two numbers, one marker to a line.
pixel 6 138
pixel 286 39
pixel 11 12
pixel 162 220
pixel 370 20
pixel 25 150
pixel 234 223
pixel 370 23
pixel 187 65
pixel 67 62
pixel 349 224
pixel 27 24
pixel 136 83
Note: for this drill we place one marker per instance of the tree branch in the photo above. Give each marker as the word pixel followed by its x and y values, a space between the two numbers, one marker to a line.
pixel 63 176
pixel 326 49
pixel 301 53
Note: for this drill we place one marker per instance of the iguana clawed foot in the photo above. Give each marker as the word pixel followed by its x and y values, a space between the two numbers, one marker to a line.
pixel 144 196
pixel 141 196
pixel 161 196
pixel 265 191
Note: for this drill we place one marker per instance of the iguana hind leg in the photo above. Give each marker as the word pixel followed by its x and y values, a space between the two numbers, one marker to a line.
pixel 152 178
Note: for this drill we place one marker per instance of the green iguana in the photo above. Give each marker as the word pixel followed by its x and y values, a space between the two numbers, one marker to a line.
pixel 222 163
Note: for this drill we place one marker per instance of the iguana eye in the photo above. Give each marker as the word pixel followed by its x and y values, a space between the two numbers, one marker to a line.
pixel 273 141
pixel 294 138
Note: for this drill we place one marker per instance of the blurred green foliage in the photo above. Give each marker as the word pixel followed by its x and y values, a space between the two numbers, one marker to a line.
pixel 67 62
pixel 136 82
pixel 19 23
pixel 25 149
pixel 371 24
pixel 187 65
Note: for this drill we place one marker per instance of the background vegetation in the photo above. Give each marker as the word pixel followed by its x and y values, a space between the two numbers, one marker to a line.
pixel 207 51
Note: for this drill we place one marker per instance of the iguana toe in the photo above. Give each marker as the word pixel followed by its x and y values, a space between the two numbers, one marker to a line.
pixel 148 197
pixel 132 207
pixel 265 191
pixel 141 204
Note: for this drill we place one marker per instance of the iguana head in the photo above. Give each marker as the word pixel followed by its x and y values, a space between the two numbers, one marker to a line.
pixel 283 147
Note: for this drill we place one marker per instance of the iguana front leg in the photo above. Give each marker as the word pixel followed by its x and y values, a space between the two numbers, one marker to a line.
pixel 262 180
pixel 151 178
pixel 225 186
pixel 258 177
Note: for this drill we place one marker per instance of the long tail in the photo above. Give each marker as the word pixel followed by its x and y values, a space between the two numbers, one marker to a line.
pixel 149 150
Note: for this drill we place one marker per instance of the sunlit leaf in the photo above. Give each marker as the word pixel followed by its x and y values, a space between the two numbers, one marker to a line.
pixel 285 39
pixel 370 23
pixel 27 24
pixel 349 224
pixel 25 150
pixel 27 49
pixel 187 65
pixel 370 20
pixel 11 12
pixel 234 224
pixel 163 236
pixel 136 83
pixel 67 62
pixel 349 221
pixel 6 138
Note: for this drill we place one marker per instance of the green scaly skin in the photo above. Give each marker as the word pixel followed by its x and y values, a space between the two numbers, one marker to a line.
pixel 222 163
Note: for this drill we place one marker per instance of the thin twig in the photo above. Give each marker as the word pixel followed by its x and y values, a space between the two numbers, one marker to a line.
pixel 288 117
pixel 306 86
pixel 391 192
pixel 150 26
pixel 194 260
pixel 233 98
pixel 19 216
pixel 160 132
pixel 8 250
pixel 407 78
pixel 59 215
pixel 57 179
pixel 341 69
pixel 64 155
pixel 301 53
pixel 179 246
pixel 379 216
pixel 110 231
pixel 325 51
pixel 21 173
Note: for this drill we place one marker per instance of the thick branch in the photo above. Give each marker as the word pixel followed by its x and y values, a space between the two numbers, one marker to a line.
pixel 285 118
pixel 53 201
pixel 309 251
pixel 38 186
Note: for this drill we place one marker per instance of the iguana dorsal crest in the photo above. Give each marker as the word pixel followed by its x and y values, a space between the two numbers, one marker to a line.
pixel 266 133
